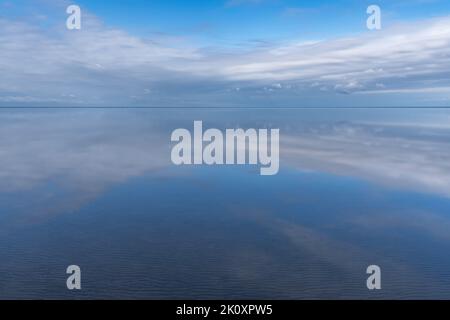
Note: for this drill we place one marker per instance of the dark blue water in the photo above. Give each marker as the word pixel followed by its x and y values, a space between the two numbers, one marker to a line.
pixel 96 188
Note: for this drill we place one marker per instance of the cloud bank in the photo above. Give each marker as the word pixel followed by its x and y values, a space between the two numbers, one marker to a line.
pixel 101 65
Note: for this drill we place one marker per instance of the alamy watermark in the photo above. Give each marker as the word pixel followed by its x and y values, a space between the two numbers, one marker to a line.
pixel 374 20
pixel 74 280
pixel 374 280
pixel 232 147
pixel 73 22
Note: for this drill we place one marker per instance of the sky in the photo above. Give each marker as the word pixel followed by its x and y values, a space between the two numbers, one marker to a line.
pixel 221 53
pixel 231 21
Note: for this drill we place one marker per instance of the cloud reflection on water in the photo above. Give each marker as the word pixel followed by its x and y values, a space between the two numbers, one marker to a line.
pixel 86 152
pixel 414 158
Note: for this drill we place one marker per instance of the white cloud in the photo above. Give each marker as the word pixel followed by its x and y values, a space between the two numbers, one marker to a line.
pixel 100 65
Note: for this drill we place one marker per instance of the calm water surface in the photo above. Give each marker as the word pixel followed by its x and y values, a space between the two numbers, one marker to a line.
pixel 96 188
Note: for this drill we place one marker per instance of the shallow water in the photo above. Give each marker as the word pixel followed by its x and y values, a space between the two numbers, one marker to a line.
pixel 96 188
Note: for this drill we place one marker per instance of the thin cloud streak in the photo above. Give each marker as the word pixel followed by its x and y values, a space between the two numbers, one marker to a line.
pixel 100 65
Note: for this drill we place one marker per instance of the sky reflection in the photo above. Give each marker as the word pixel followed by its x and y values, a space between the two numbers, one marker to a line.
pixel 98 187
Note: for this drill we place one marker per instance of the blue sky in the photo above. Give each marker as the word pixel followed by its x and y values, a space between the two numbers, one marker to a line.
pixel 237 20
pixel 225 53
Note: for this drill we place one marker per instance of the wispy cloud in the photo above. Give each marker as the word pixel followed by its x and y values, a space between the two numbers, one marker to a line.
pixel 100 65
